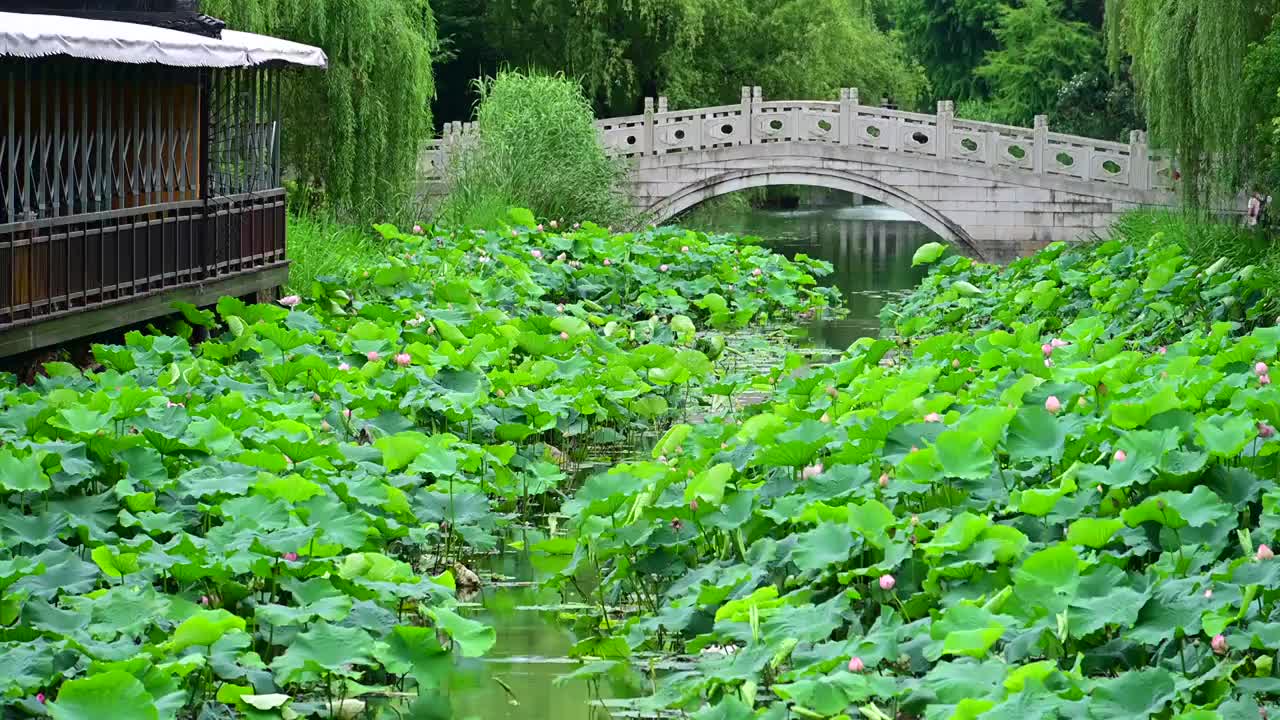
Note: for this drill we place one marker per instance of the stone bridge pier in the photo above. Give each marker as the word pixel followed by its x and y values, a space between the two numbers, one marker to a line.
pixel 998 191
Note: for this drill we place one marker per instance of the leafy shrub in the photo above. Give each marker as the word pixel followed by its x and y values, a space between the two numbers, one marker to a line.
pixel 536 146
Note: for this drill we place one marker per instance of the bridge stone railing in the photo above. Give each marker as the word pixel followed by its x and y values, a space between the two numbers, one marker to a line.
pixel 754 121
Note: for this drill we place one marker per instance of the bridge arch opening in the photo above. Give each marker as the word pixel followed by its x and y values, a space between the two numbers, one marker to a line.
pixel 747 179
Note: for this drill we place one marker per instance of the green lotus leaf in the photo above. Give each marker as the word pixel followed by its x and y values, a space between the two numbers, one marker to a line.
pixel 21 474
pixel 472 638
pixel 928 254
pixel 324 648
pixel 115 694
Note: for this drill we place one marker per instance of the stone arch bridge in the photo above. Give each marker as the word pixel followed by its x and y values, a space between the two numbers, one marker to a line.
pixel 997 190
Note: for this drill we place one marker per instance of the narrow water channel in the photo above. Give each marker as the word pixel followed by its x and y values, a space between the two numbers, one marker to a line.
pixel 870 248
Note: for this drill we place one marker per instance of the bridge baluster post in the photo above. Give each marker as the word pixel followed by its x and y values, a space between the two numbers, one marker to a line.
pixel 662 104
pixel 946 119
pixel 740 139
pixel 1040 144
pixel 649 147
pixel 1139 161
pixel 847 112
pixel 757 97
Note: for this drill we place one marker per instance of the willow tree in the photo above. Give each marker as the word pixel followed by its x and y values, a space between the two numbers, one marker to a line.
pixel 357 129
pixel 1189 62
pixel 951 38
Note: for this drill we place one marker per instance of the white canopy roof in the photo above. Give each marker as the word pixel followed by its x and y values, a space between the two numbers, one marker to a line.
pixel 33 36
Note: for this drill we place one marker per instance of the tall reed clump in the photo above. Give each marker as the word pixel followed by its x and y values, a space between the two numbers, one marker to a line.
pixel 321 247
pixel 536 146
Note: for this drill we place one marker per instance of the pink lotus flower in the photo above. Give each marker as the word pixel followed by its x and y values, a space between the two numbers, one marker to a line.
pixel 684 248
pixel 537 254
pixel 1219 644
pixel 290 301
pixel 417 229
pixel 811 471
pixel 856 665
pixel 607 263
pixel 291 556
pixel 887 582
pixel 884 479
pixel 1261 369
pixel 540 228
pixel 1208 593
pixel 933 417
pixel 404 360
pixel 663 268
pixel 1047 349
pixel 1264 379
pixel 1120 456
pixel 757 272
pixel 693 505
pixel 1264 553
pixel 346 413
pixel 40 698
pixel 564 335
pixel 204 599
pixel 1265 431
pixel 372 355
pixel 1053 404
pixel 1058 343
pixel 1162 350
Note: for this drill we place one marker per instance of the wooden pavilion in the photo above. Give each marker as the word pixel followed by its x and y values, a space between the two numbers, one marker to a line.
pixel 139 164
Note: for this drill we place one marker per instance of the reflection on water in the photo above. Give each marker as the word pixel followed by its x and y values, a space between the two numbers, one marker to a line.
pixel 517 678
pixel 870 246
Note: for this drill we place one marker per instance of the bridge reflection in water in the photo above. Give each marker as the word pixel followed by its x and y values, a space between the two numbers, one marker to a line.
pixel 870 248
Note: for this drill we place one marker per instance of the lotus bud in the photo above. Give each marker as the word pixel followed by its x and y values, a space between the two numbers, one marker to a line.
pixel 431 329
pixel 663 268
pixel 811 471
pixel 1264 553
pixel 500 393
pixel 684 248
pixel 884 480
pixel 826 418
pixel 540 228
pixel 662 458
pixel 325 426
pixel 856 665
pixel 955 364
pixel 40 698
pixel 537 254
pixel 757 272
pixel 1264 380
pixel 1053 404
pixel 1219 644
pixel 404 360
pixel 1208 593
pixel 555 224
pixel 417 229
pixel 1120 456
pixel 372 355
pixel 561 257
pixel 1082 402
pixel 1261 369
pixel 1047 349
pixel 1162 350
pixel 607 263
pixel 693 505
pixel 564 335
pixel 560 308
pixel 933 417
pixel 204 600
pixel 577 226
pixel 689 473
pixel 291 556
pixel 887 582
pixel 515 233
pixel 346 413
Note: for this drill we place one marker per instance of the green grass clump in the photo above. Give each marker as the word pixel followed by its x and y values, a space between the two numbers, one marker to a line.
pixel 319 247
pixel 536 147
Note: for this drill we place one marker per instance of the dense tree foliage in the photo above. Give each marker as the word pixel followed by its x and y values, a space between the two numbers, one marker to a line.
pixel 1040 52
pixel 356 130
pixel 1188 59
pixel 950 37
